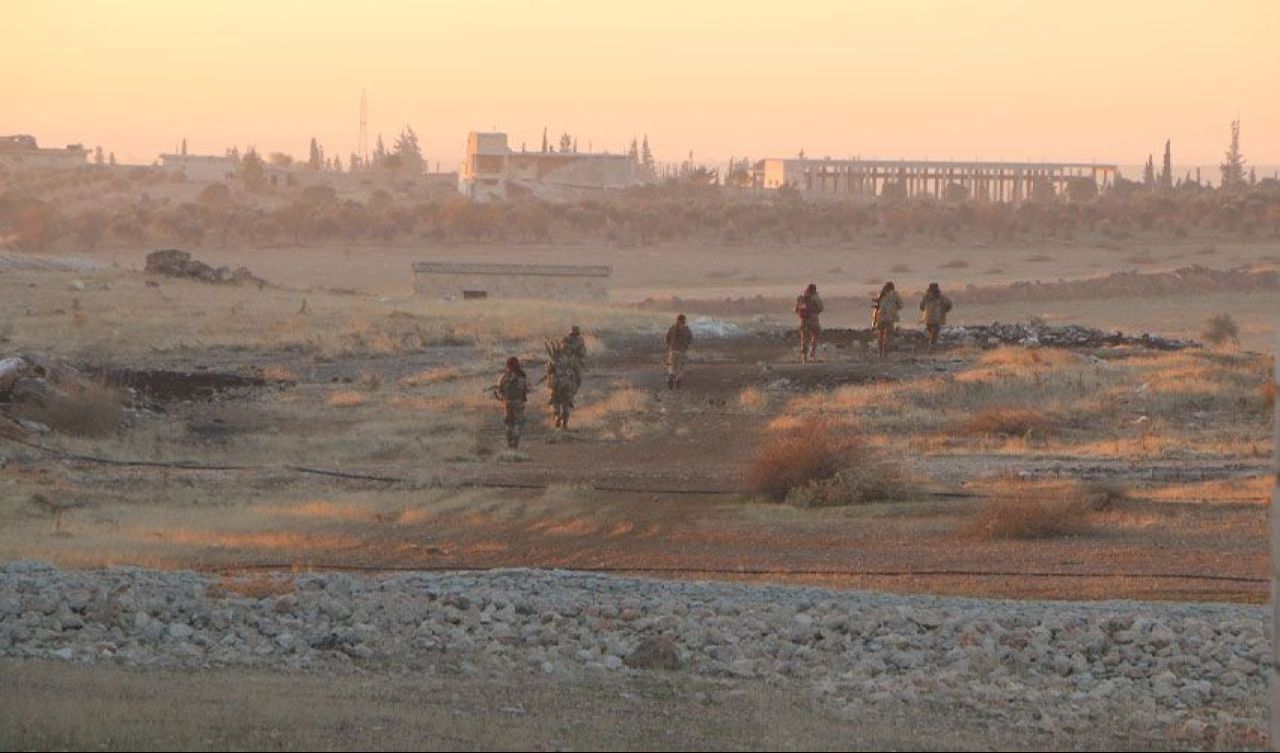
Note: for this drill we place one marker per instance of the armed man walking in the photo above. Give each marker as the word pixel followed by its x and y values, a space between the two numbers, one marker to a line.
pixel 564 376
pixel 575 347
pixel 884 318
pixel 679 338
pixel 934 308
pixel 808 308
pixel 513 391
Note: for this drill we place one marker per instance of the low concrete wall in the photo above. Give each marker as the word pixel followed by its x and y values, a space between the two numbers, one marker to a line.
pixel 553 282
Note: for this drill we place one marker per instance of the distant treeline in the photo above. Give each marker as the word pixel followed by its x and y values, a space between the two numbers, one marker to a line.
pixel 98 206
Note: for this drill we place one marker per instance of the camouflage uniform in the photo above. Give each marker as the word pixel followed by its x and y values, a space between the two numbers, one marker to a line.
pixel 513 390
pixel 933 312
pixel 679 338
pixel 808 308
pixel 565 377
pixel 886 310
pixel 576 348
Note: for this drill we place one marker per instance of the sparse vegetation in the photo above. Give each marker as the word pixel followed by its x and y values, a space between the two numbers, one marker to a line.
pixel 820 463
pixel 88 410
pixel 1221 329
pixel 1028 423
pixel 1031 511
pixel 346 399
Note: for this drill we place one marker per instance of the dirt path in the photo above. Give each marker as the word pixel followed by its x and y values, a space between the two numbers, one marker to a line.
pixel 628 497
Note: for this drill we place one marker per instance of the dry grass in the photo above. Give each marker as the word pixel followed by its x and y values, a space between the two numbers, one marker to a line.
pixel 280 374
pixel 433 376
pixel 82 410
pixel 1029 511
pixel 129 319
pixel 955 264
pixel 1028 423
pixel 346 399
pixel 612 411
pixel 820 463
pixel 753 399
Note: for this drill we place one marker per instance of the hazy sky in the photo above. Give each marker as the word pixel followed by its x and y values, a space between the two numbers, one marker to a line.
pixel 961 79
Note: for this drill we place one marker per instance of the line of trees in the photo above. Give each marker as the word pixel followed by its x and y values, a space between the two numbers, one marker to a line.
pixel 675 211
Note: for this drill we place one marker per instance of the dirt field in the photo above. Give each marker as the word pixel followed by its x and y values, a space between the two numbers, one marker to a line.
pixel 59 706
pixel 647 481
pixel 711 272
pixel 1089 474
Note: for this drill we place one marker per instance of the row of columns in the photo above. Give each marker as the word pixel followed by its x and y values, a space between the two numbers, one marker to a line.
pixel 991 184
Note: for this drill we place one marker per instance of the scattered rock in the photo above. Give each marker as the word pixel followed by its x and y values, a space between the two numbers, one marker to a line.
pixel 655 652
pixel 1041 665
pixel 172 262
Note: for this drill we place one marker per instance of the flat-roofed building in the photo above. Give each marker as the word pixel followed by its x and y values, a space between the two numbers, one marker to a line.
pixel 22 151
pixel 492 171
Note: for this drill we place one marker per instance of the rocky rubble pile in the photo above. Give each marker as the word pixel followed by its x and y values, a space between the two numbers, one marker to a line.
pixel 174 262
pixel 1066 662
pixel 37 394
pixel 993 335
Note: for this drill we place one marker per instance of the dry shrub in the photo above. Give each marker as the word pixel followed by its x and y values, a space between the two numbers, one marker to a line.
pixel 955 264
pixel 1009 422
pixel 820 463
pixel 1221 328
pixel 88 409
pixel 1103 496
pixel 900 269
pixel 1031 513
pixel 871 480
pixel 437 375
pixel 1039 258
pixel 1269 393
pixel 1018 358
pixel 346 399
pixel 753 399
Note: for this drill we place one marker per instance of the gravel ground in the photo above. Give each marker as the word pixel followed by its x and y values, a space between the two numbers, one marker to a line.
pixel 1193 672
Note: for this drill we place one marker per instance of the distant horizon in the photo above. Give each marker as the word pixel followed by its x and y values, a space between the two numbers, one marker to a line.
pixel 1005 80
pixel 1129 170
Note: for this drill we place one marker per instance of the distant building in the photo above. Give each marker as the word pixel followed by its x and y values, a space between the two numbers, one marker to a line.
pixel 465 280
pixel 22 151
pixel 493 171
pixel 202 168
pixel 992 181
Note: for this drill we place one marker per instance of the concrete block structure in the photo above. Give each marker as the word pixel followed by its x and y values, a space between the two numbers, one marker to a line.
pixel 202 168
pixel 22 151
pixel 493 172
pixel 467 281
